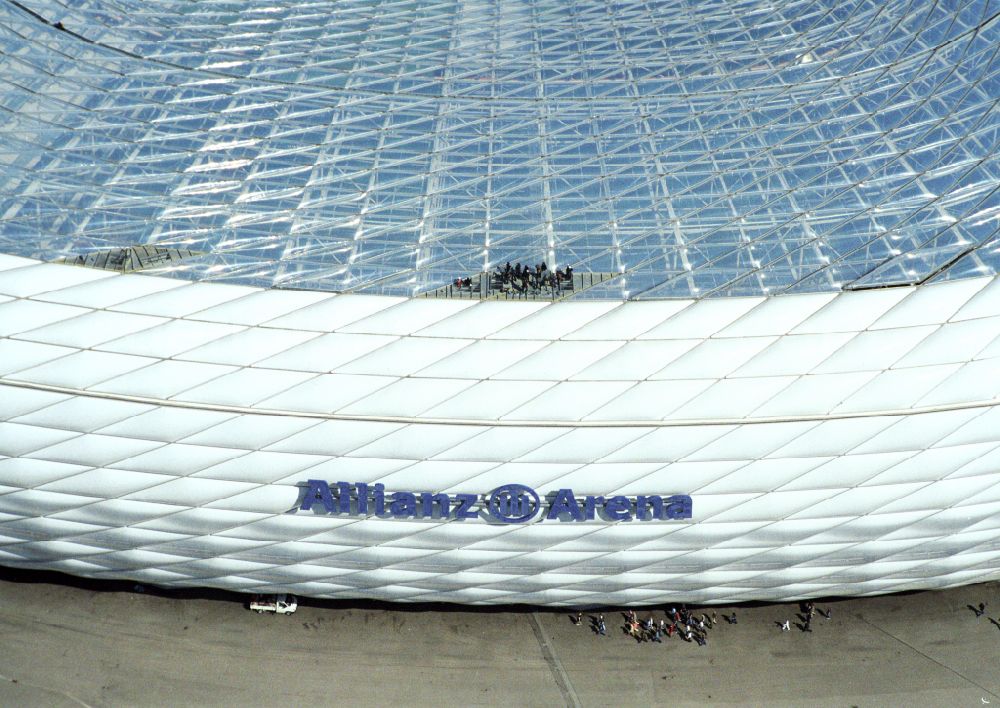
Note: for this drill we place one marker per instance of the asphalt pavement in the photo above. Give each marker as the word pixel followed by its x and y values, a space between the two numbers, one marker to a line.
pixel 68 642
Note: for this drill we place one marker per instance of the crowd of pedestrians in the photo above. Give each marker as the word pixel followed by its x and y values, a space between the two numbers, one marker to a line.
pixel 686 625
pixel 681 622
pixel 694 628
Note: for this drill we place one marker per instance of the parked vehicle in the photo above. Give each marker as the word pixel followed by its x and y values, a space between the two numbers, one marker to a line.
pixel 278 604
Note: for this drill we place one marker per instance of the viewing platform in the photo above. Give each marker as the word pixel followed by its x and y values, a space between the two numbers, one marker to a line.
pixel 489 286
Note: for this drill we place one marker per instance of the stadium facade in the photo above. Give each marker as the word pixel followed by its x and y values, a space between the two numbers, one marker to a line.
pixel 253 335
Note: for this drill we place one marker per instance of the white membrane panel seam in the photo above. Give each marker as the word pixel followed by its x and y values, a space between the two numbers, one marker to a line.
pixel 676 423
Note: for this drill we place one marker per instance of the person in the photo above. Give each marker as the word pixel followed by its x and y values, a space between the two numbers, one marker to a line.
pixel 786 626
pixel 807 625
pixel 671 628
pixel 578 620
pixel 700 639
pixel 714 620
pixel 658 636
pixel 731 619
pixel 602 629
pixel 981 611
pixel 826 613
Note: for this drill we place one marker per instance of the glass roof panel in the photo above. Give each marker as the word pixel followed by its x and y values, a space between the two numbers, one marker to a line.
pixel 716 148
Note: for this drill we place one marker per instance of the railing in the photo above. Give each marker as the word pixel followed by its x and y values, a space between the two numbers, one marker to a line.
pixel 130 258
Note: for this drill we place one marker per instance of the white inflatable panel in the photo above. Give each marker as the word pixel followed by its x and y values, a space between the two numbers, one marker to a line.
pixel 830 444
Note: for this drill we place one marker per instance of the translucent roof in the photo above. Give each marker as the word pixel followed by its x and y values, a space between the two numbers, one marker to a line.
pixel 696 147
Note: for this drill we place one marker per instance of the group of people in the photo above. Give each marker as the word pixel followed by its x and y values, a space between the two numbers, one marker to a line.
pixel 682 622
pixel 524 278
pixel 809 611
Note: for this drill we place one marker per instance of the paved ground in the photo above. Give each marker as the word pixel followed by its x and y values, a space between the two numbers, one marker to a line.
pixel 71 643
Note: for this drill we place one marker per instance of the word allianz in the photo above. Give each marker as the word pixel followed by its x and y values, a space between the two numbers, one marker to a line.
pixel 509 503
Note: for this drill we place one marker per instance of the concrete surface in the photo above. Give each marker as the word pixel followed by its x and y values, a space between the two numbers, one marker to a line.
pixel 68 642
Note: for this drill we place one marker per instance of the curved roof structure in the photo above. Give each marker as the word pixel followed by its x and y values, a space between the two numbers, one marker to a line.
pixel 689 149
pixel 311 425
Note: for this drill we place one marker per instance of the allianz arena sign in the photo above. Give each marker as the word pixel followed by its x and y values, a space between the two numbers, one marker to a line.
pixel 507 504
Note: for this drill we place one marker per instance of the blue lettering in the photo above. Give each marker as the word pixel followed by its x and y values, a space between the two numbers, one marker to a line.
pixel 362 497
pixel 642 504
pixel 590 507
pixel 428 500
pixel 618 508
pixel 404 504
pixel 344 497
pixel 564 503
pixel 319 491
pixel 464 509
pixel 678 507
pixel 510 503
